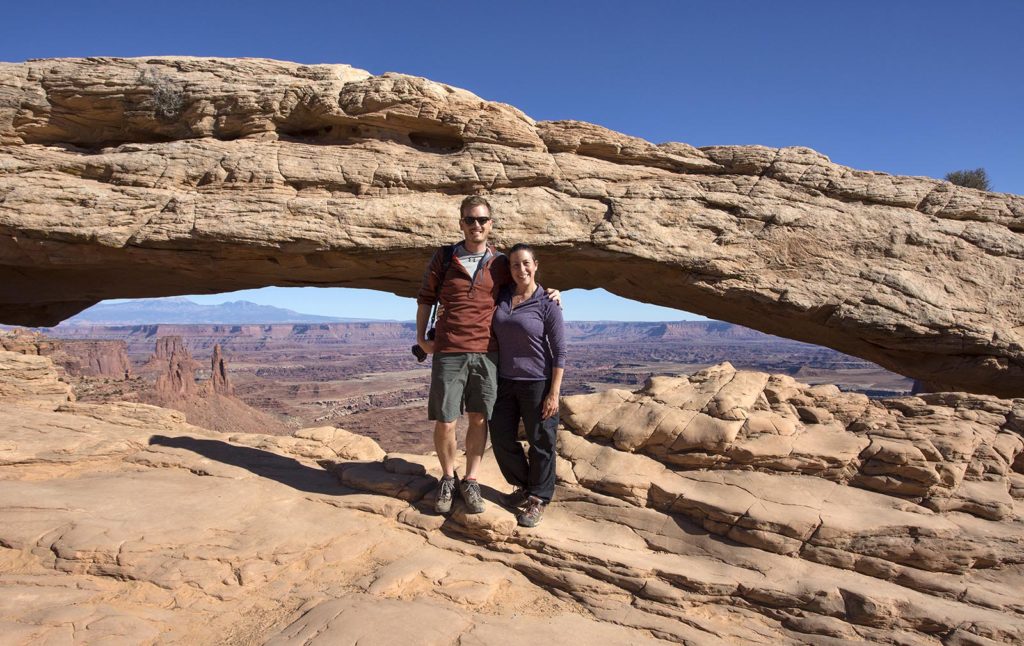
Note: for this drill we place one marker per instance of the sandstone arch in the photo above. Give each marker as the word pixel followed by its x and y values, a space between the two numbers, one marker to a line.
pixel 160 176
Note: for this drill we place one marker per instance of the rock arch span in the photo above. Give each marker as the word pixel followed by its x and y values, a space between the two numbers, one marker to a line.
pixel 160 176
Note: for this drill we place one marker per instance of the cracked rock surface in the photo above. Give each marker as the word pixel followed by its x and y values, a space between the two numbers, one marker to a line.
pixel 160 176
pixel 122 523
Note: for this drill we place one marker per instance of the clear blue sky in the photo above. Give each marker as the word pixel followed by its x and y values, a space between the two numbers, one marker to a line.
pixel 905 87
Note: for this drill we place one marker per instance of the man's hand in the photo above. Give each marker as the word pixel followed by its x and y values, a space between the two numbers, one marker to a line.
pixel 422 317
pixel 554 295
pixel 550 406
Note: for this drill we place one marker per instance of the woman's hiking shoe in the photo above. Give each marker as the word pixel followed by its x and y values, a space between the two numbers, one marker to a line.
pixel 531 515
pixel 517 498
pixel 445 493
pixel 470 489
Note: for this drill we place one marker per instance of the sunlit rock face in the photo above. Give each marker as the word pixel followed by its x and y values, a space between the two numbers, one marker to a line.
pixel 779 513
pixel 79 358
pixel 161 176
pixel 948 452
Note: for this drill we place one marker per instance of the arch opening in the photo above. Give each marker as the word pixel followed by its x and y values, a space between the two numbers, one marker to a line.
pixel 283 359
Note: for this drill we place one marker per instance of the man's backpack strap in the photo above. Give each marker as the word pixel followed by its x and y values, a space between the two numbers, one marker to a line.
pixel 447 254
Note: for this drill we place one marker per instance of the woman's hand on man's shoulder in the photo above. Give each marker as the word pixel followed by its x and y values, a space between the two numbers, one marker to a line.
pixel 554 295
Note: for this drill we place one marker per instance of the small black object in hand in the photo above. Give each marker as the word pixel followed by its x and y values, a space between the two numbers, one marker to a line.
pixel 421 356
pixel 418 352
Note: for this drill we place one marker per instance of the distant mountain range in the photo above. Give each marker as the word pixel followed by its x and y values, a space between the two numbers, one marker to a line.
pixel 163 313
pixel 183 311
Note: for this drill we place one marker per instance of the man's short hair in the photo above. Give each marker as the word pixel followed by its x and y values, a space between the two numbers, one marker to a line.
pixel 471 201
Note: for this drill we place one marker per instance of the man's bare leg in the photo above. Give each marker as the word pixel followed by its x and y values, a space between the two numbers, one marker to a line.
pixel 445 445
pixel 476 443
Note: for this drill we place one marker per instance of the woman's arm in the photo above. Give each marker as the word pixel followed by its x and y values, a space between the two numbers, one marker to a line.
pixel 550 406
pixel 554 331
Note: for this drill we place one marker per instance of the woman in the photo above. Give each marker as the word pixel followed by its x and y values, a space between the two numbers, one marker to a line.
pixel 531 350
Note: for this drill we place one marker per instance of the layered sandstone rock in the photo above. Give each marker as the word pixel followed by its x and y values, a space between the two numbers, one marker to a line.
pixel 107 359
pixel 28 342
pixel 219 381
pixel 31 381
pixel 210 403
pixel 79 358
pixel 947 451
pixel 175 370
pixel 160 176
pixel 122 522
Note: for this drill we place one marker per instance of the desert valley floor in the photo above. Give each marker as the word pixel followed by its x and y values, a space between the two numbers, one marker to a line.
pixel 362 376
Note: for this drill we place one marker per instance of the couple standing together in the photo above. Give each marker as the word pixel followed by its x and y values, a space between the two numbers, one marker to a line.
pixel 499 354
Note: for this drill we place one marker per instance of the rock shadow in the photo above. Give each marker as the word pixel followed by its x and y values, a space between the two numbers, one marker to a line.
pixel 265 464
pixel 399 478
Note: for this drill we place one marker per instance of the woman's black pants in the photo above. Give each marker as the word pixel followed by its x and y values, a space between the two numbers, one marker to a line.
pixel 524 400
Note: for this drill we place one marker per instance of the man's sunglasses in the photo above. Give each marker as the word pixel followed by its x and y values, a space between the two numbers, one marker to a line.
pixel 471 221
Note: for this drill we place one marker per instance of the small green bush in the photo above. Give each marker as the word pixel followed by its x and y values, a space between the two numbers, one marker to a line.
pixel 976 178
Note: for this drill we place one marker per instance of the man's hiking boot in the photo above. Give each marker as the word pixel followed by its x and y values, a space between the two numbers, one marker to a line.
pixel 517 498
pixel 471 496
pixel 445 492
pixel 531 515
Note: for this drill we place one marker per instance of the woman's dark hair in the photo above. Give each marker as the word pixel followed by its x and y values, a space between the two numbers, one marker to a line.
pixel 522 246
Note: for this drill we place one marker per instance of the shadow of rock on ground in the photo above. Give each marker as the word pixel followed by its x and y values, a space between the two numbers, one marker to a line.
pixel 403 478
pixel 266 464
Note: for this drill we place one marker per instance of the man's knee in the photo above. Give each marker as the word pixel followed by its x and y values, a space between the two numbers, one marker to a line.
pixel 476 420
pixel 445 428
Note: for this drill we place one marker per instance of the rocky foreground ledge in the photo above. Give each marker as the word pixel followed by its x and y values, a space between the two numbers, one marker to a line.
pixel 726 507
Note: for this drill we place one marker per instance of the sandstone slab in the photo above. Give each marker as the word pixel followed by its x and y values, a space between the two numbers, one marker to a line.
pixel 945 452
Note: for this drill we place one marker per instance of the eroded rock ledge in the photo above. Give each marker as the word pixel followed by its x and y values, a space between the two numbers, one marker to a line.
pixel 160 176
pixel 121 521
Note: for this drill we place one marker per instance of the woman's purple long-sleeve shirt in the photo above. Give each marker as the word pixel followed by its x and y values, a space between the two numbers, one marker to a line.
pixel 531 337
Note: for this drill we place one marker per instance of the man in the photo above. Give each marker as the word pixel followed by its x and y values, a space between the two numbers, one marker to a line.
pixel 464 374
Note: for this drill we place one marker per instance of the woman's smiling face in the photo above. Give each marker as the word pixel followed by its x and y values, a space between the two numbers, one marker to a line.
pixel 524 267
